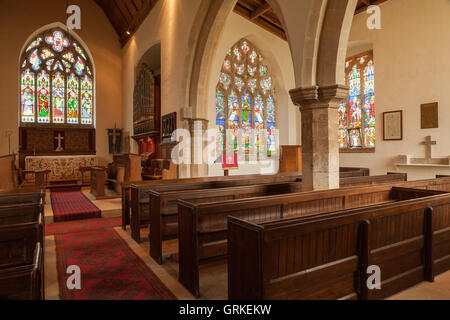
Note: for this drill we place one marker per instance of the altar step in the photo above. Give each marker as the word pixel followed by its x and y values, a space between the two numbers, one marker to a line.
pixel 109 207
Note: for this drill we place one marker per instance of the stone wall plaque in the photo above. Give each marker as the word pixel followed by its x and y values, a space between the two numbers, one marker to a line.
pixel 429 116
pixel 393 125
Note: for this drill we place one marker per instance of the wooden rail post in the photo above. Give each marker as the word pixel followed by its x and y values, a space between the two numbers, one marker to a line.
pixel 428 245
pixel 364 257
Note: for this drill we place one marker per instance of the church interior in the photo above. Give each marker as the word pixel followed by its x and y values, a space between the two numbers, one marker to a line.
pixel 224 150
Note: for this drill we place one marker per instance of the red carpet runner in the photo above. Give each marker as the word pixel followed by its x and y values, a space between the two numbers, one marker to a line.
pixel 110 270
pixel 72 205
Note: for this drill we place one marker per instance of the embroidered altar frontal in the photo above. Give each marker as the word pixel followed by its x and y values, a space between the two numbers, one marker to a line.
pixel 62 168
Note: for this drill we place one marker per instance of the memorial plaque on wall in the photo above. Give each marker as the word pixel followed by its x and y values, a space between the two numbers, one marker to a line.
pixel 429 116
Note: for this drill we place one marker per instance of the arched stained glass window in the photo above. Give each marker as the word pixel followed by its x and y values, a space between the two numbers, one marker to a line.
pixel 56 81
pixel 245 103
pixel 357 114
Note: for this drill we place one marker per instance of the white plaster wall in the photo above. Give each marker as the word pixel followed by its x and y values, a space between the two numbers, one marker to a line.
pixel 277 54
pixel 411 68
pixel 170 22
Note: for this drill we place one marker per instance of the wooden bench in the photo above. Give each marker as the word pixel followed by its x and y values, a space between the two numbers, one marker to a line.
pixel 327 256
pixel 24 282
pixel 163 208
pixel 22 196
pixel 353 172
pixel 203 226
pixel 373 180
pixel 163 211
pixel 140 199
pixel 144 186
pixel 21 229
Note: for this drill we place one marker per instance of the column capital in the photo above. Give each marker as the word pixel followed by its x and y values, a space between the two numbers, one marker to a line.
pixel 193 121
pixel 319 97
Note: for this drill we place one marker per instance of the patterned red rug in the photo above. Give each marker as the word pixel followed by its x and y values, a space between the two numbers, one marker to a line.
pixel 72 205
pixel 110 270
pixel 83 225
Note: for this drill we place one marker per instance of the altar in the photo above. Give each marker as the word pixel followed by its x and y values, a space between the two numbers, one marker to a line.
pixel 62 168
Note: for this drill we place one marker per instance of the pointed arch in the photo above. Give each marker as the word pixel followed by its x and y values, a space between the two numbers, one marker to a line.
pixel 61 70
pixel 245 100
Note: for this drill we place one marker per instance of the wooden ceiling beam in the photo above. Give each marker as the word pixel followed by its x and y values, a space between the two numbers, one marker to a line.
pixel 365 6
pixel 260 11
pixel 260 21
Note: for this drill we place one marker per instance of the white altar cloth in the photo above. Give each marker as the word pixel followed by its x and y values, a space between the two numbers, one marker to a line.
pixel 62 168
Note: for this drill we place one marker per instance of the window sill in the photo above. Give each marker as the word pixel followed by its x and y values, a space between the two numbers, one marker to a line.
pixel 365 150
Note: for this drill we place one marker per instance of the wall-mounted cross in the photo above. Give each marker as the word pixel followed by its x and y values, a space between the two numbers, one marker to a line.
pixel 60 139
pixel 428 143
pixel 115 134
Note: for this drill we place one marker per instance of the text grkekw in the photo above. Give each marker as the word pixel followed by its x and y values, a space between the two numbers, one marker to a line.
pixel 247 310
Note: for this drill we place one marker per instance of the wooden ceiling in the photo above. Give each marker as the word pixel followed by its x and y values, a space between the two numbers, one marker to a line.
pixel 364 4
pixel 260 13
pixel 127 15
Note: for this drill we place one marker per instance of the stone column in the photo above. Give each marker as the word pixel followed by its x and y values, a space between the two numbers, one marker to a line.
pixel 319 108
pixel 197 128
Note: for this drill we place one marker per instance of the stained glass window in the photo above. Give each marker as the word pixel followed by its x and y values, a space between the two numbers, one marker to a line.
pixel 58 95
pixel 72 99
pixel 86 100
pixel 43 99
pixel 357 114
pixel 28 96
pixel 245 101
pixel 57 82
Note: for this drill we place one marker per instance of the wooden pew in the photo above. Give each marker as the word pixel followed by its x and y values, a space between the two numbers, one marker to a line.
pixel 327 256
pixel 146 185
pixel 22 196
pixel 203 226
pixel 353 172
pixel 140 199
pixel 373 180
pixel 21 229
pixel 24 282
pixel 164 210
